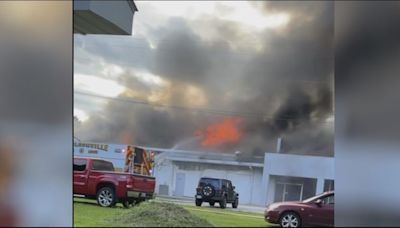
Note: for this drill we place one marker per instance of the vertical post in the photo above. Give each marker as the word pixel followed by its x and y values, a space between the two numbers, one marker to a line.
pixel 320 185
pixel 271 190
pixel 279 145
pixel 265 181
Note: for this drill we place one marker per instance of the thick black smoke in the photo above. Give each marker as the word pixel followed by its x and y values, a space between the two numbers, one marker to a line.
pixel 283 90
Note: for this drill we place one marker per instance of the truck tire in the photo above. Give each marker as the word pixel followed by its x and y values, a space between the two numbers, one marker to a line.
pixel 235 203
pixel 222 203
pixel 198 202
pixel 106 197
pixel 212 203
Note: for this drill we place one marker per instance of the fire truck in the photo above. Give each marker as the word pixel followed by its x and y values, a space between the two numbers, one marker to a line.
pixel 143 159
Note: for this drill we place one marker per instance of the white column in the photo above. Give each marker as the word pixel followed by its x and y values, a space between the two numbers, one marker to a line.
pixel 264 181
pixel 271 190
pixel 265 189
pixel 320 185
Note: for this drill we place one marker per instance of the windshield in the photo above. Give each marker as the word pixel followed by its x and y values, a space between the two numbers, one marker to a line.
pixel 214 182
pixel 313 198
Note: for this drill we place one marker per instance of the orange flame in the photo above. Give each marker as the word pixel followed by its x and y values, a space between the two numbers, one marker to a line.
pixel 219 133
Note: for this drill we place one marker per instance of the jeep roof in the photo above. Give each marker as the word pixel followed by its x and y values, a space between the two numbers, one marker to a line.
pixel 213 178
pixel 216 182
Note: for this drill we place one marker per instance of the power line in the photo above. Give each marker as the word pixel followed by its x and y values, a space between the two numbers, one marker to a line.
pixel 300 81
pixel 201 110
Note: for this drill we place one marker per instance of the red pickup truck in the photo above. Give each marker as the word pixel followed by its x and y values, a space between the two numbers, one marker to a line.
pixel 96 179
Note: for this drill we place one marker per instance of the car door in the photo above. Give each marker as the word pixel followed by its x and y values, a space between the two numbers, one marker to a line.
pixel 322 214
pixel 327 211
pixel 80 176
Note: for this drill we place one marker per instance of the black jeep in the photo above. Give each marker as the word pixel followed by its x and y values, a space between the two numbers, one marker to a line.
pixel 213 190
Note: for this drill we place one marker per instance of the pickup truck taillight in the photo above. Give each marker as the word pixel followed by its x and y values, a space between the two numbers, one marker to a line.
pixel 129 184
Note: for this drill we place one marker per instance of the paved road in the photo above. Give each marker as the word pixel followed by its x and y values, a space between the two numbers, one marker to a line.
pixel 190 201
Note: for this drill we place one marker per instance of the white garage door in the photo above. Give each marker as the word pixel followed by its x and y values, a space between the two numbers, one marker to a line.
pixel 192 179
pixel 213 173
pixel 243 184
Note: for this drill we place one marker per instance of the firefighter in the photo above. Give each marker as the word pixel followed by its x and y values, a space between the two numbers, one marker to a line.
pixel 129 160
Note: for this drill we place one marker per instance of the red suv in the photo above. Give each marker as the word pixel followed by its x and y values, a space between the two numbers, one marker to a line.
pixel 315 211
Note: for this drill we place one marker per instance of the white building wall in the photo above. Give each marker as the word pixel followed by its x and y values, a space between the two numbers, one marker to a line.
pixel 270 190
pixel 214 173
pixel 247 181
pixel 299 165
pixel 192 179
pixel 256 190
pixel 320 168
pixel 243 183
pixel 163 173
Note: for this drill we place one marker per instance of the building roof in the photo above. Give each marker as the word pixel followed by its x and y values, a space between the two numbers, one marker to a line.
pixel 206 157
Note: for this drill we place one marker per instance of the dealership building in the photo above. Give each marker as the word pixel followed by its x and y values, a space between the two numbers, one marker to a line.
pixel 273 178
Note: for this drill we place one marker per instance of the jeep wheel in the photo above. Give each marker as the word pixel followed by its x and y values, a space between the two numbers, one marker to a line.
pixel 222 203
pixel 198 202
pixel 212 204
pixel 235 203
pixel 106 197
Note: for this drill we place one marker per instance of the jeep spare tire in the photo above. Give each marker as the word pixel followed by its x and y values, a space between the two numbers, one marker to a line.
pixel 208 191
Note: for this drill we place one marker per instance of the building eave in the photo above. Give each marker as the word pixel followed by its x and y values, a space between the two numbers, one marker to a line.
pixel 132 5
pixel 219 162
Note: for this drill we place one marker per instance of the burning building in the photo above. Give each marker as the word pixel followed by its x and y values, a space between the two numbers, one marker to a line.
pixel 221 89
pixel 273 177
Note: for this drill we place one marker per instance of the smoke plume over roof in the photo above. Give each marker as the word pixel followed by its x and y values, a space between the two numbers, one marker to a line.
pixel 182 73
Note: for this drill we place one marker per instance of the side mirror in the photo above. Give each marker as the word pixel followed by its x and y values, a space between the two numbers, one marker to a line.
pixel 233 187
pixel 318 202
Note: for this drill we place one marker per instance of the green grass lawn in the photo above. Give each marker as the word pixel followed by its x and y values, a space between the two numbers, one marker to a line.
pixel 88 213
pixel 219 217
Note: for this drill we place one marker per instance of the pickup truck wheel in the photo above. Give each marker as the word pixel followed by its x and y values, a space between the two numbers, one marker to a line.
pixel 235 203
pixel 198 202
pixel 222 203
pixel 106 197
pixel 212 204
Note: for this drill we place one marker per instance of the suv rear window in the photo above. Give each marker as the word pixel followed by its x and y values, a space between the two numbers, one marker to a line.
pixel 102 165
pixel 214 182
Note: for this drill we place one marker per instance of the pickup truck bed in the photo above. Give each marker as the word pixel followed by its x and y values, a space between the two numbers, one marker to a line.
pixel 95 178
